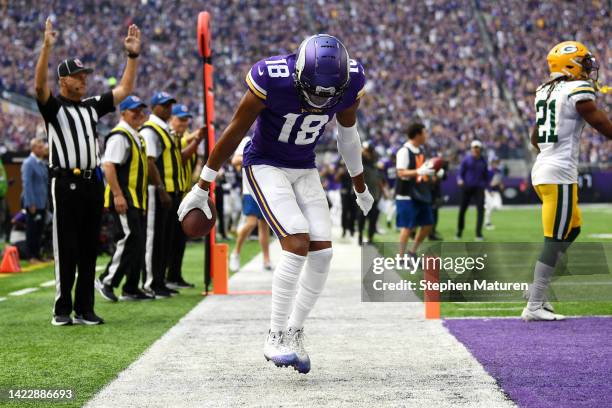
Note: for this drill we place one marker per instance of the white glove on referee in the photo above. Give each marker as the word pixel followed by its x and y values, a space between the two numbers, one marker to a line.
pixel 196 198
pixel 426 170
pixel 365 200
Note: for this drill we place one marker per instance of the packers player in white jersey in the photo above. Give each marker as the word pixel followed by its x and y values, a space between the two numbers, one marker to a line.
pixel 563 105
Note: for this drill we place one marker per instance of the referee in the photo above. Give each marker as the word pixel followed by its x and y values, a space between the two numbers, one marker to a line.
pixel 76 179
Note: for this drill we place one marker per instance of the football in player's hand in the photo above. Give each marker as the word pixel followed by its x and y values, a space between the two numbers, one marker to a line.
pixel 436 163
pixel 196 225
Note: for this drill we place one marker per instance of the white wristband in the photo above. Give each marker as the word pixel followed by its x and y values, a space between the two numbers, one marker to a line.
pixel 208 174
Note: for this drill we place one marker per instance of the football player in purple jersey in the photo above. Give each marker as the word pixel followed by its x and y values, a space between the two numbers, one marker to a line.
pixel 292 97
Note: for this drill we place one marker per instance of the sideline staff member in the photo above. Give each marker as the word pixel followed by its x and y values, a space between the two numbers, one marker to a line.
pixel 413 189
pixel 76 184
pixel 165 192
pixel 125 168
pixel 473 178
pixel 179 122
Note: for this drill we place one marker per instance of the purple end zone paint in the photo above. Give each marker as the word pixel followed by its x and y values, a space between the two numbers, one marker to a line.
pixel 544 364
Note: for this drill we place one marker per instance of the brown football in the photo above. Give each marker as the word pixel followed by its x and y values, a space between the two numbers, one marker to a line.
pixel 436 163
pixel 196 225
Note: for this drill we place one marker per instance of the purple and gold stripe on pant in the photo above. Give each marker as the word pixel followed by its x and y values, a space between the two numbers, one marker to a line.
pixel 263 204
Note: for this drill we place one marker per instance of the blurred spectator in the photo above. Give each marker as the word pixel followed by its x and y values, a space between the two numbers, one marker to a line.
pixel 375 182
pixel 437 69
pixel 472 177
pixel 347 200
pixel 34 176
pixel 493 192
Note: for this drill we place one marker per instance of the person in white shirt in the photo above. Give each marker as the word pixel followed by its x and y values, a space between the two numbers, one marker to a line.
pixel 126 172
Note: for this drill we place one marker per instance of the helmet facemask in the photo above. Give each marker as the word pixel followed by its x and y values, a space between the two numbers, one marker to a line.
pixel 590 66
pixel 318 97
pixel 320 85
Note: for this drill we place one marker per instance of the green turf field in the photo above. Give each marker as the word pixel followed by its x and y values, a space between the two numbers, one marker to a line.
pixel 35 354
pixel 522 225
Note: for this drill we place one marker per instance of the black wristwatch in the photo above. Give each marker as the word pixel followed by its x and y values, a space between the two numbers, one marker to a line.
pixel 132 54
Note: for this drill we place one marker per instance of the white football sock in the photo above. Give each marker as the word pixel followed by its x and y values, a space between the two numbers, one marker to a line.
pixel 283 288
pixel 311 285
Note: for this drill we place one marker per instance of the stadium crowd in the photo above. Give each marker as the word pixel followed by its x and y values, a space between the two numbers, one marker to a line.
pixel 436 69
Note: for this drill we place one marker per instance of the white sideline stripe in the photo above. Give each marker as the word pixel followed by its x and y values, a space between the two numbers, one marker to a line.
pixel 581 283
pixel 22 292
pixel 2 299
pixel 195 364
pixel 47 283
pixel 600 236
pixel 490 308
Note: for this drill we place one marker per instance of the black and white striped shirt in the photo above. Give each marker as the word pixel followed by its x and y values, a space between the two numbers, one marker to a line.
pixel 71 128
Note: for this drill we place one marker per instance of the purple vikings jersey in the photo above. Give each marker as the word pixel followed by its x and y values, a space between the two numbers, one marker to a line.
pixel 286 134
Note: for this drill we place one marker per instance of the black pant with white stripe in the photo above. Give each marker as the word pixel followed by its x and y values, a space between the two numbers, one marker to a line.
pixel 129 256
pixel 77 212
pixel 160 235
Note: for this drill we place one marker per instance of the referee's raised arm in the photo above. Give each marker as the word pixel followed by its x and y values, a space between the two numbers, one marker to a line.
pixel 132 49
pixel 41 85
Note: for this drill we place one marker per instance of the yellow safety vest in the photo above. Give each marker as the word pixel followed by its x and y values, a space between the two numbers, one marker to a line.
pixel 133 174
pixel 169 163
pixel 188 166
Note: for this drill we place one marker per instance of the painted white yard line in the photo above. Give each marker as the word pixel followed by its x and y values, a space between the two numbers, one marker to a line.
pixel 22 292
pixel 2 299
pixel 100 268
pixel 47 284
pixel 490 308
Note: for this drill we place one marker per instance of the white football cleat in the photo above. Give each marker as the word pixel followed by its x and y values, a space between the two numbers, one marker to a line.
pixel 234 262
pixel 295 341
pixel 546 304
pixel 276 350
pixel 540 314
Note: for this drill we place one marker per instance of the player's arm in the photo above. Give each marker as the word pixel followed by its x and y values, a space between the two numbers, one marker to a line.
pixel 41 86
pixel 349 145
pixel 132 48
pixel 249 108
pixel 595 117
pixel 534 139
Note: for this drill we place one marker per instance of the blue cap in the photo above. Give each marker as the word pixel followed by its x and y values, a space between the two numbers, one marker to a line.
pixel 131 102
pixel 161 98
pixel 180 111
